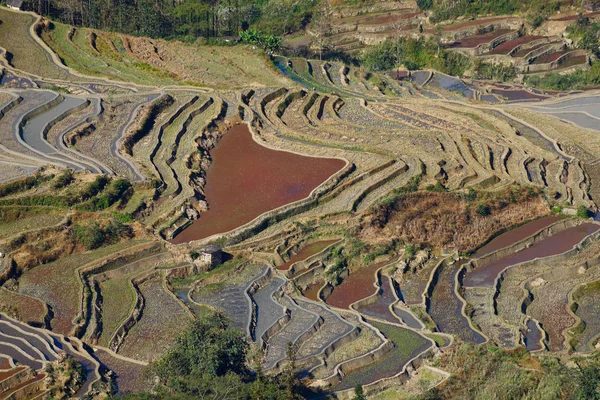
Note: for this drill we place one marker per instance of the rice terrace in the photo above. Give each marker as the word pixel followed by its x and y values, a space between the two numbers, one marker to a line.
pixel 300 199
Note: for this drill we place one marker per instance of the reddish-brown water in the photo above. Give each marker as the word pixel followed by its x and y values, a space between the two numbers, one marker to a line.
pixel 312 291
pixel 506 47
pixel 548 58
pixel 485 275
pixel 355 287
pixel 515 235
pixel 381 309
pixel 246 179
pixel 307 251
pixel 475 40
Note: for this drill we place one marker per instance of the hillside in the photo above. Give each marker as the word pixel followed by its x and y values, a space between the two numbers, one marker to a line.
pixel 377 215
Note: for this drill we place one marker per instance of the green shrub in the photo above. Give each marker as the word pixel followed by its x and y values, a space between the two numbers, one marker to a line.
pixel 425 4
pixel 583 212
pixel 64 179
pixel 483 209
pixel 24 184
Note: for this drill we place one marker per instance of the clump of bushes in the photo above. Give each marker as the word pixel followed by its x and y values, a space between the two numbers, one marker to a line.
pixel 92 236
pixel 63 180
pixel 24 184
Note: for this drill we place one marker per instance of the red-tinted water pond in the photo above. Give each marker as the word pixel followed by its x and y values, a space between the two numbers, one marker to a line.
pixel 307 251
pixel 515 235
pixel 485 275
pixel 355 287
pixel 312 291
pixel 381 309
pixel 246 179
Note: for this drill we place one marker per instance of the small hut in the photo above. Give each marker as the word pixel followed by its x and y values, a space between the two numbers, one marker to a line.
pixel 210 256
pixel 14 4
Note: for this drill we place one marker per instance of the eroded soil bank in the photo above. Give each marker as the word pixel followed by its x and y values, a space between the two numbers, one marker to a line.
pixel 246 179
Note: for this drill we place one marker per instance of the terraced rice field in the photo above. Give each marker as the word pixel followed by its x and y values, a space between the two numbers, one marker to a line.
pixel 587 301
pixel 359 285
pixel 58 284
pixel 407 344
pixel 231 299
pixel 162 320
pixel 307 251
pixel 560 242
pixel 476 40
pixel 381 309
pixel 268 310
pixel 275 175
pixel 506 47
pixel 443 298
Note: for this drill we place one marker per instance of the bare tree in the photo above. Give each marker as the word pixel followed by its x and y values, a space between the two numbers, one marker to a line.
pixel 321 27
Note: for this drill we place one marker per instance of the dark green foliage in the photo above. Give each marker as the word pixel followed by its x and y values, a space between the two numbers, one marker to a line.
pixel 588 387
pixel 92 236
pixel 483 209
pixel 63 180
pixel 497 72
pixel 24 184
pixel 359 393
pixel 258 38
pixel 438 187
pixel 209 361
pixel 414 54
pixel 119 190
pixel 425 4
pixel 583 212
pixel 187 20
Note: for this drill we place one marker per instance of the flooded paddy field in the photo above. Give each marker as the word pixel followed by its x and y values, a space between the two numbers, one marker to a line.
pixel 485 275
pixel 381 308
pixel 515 235
pixel 533 336
pixel 307 251
pixel 357 286
pixel 407 344
pixel 264 179
pixel 587 300
pixel 445 308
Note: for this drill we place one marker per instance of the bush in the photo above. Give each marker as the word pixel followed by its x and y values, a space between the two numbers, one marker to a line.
pixel 93 236
pixel 425 4
pixel 583 212
pixel 64 179
pixel 483 209
pixel 24 184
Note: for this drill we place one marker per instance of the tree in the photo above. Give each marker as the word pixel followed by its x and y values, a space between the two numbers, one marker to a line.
pixel 359 393
pixel 321 28
pixel 589 383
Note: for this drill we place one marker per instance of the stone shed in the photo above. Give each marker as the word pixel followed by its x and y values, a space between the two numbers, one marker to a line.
pixel 210 256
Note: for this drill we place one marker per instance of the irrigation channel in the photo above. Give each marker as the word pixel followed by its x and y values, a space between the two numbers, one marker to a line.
pixel 247 179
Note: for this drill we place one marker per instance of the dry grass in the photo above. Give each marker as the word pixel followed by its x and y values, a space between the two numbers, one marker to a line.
pixel 445 220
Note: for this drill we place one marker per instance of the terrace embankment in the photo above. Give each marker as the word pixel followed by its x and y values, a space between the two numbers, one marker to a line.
pixel 246 179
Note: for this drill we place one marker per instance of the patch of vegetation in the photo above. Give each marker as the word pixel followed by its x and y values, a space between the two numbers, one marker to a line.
pixel 414 54
pixel 480 372
pixel 497 72
pixel 93 235
pixel 24 184
pixel 210 360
